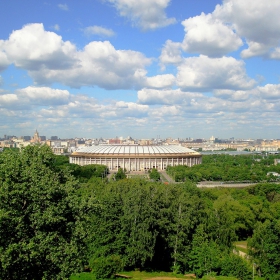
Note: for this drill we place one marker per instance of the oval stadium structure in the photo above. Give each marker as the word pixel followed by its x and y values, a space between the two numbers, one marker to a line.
pixel 134 157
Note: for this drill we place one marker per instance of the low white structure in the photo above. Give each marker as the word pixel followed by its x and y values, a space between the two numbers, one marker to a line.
pixel 136 158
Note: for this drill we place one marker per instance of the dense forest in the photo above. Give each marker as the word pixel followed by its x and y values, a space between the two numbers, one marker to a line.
pixel 241 168
pixel 58 219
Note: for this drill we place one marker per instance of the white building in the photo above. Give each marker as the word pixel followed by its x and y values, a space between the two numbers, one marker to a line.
pixel 134 157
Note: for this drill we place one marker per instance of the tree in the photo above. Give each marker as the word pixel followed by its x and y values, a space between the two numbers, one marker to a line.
pixel 154 175
pixel 120 174
pixel 265 248
pixel 41 230
pixel 205 254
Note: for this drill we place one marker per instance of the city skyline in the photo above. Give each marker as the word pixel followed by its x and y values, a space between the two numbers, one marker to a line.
pixel 179 68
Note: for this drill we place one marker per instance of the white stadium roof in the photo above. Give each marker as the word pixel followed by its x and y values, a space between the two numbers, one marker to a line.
pixel 134 150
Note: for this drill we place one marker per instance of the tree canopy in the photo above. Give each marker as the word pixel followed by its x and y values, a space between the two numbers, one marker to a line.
pixel 40 217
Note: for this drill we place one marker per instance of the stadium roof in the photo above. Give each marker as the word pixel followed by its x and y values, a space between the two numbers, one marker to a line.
pixel 134 150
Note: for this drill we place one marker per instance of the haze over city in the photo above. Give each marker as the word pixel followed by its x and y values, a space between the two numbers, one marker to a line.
pixel 101 68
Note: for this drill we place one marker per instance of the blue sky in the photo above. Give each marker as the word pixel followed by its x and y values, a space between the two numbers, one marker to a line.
pixel 107 68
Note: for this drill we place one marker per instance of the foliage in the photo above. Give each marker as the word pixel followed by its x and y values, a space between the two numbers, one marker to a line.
pixel 56 218
pixel 241 168
pixel 120 174
pixel 84 173
pixel 154 174
pixel 106 267
pixel 40 217
pixel 233 265
pixel 205 254
pixel 265 248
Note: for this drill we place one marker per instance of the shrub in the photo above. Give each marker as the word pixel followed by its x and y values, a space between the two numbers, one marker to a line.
pixel 106 267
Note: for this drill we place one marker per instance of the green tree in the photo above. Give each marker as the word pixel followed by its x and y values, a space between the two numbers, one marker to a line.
pixel 120 174
pixel 233 265
pixel 41 230
pixel 205 254
pixel 154 174
pixel 265 248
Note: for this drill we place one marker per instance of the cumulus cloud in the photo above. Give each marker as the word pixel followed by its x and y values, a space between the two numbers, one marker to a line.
pixel 147 15
pixel 166 96
pixel 234 95
pixel 49 59
pixel 63 7
pixel 44 96
pixel 33 48
pixel 158 109
pixel 269 91
pixel 209 36
pixel 8 100
pixel 130 109
pixel 99 30
pixel 255 20
pixel 102 65
pixel 161 81
pixel 171 53
pixel 204 74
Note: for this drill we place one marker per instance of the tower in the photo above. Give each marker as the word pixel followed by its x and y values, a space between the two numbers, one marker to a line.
pixel 36 137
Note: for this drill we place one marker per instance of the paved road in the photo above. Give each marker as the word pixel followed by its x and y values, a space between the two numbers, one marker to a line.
pixel 210 184
pixel 224 185
pixel 167 177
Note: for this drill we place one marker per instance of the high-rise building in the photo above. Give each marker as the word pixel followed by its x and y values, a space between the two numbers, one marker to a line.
pixel 36 138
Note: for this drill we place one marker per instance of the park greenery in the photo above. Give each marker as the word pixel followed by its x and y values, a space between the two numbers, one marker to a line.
pixel 238 168
pixel 58 219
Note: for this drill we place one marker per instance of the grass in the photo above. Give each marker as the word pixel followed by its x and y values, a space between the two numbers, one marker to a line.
pixel 241 246
pixel 139 275
pixel 218 278
pixel 143 275
pixel 83 276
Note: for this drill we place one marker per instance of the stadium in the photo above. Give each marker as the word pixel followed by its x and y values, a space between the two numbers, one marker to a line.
pixel 134 157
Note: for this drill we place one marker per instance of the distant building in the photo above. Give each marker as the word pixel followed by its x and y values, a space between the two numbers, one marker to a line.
pixel 54 137
pixel 145 142
pixel 114 141
pixel 26 138
pixel 36 138
pixel 134 157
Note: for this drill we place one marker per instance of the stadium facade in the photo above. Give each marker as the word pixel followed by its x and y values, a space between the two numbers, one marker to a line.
pixel 136 158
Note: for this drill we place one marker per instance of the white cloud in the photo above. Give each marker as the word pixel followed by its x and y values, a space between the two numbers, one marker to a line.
pixel 234 95
pixel 167 96
pixel 49 59
pixel 205 74
pixel 98 30
pixel 44 96
pixel 269 91
pixel 63 7
pixel 56 27
pixel 161 81
pixel 145 14
pixel 161 110
pixel 209 36
pixel 8 100
pixel 130 109
pixel 255 20
pixel 102 65
pixel 275 54
pixel 171 53
pixel 33 48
